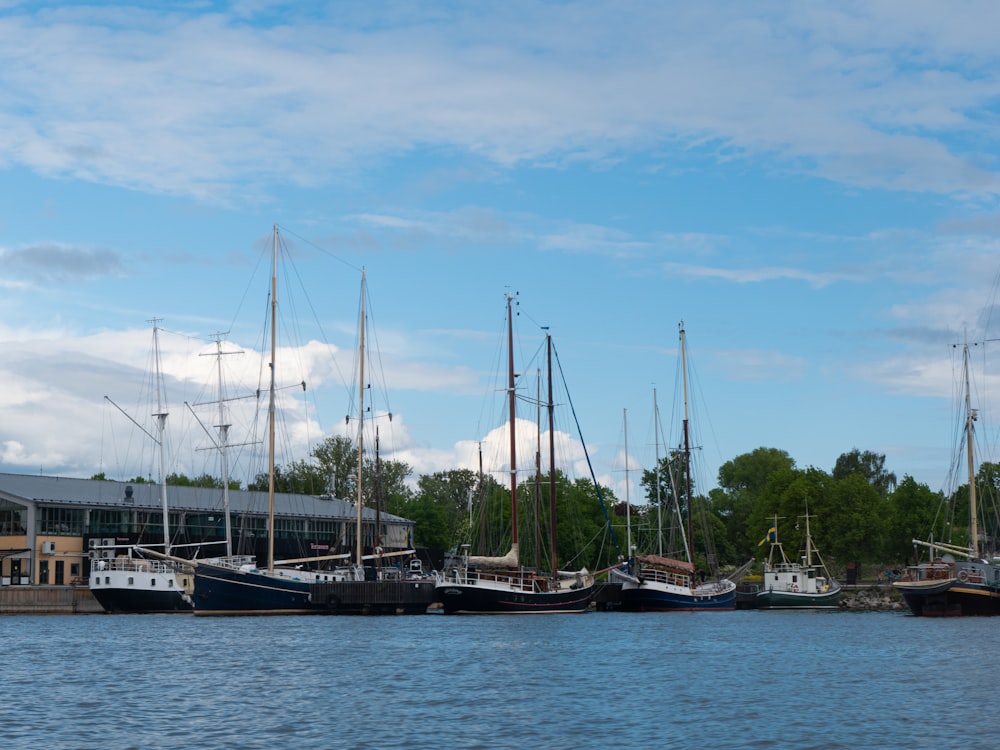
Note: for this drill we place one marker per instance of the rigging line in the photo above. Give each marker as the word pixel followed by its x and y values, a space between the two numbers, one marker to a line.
pixel 586 453
pixel 321 249
pixel 380 370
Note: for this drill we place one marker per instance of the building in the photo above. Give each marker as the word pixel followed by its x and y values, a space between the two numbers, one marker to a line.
pixel 52 528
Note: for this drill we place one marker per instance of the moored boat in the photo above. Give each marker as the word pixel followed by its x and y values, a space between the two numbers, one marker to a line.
pixel 957 580
pixel 795 585
pixel 654 583
pixel 479 584
pixel 121 579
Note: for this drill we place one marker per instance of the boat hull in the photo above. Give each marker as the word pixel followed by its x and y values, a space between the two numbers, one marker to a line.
pixel 646 598
pixel 656 588
pixel 952 598
pixel 130 586
pixel 223 591
pixel 466 598
pixel 774 599
pixel 144 601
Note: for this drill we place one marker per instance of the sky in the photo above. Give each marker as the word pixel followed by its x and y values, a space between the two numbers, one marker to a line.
pixel 812 188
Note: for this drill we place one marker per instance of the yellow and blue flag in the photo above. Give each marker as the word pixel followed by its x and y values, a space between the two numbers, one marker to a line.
pixel 772 534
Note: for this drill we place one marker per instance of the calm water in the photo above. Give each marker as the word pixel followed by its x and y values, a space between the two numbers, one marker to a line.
pixel 599 680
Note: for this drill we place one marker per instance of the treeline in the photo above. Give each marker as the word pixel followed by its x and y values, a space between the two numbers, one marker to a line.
pixel 859 512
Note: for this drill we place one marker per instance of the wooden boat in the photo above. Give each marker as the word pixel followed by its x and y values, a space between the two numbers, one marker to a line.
pixel 478 584
pixel 957 580
pixel 795 585
pixel 653 583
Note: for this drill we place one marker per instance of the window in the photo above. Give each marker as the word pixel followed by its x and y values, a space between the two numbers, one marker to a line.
pixel 11 520
pixel 60 521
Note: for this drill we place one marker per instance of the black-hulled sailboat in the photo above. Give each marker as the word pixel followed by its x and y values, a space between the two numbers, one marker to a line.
pixel 237 586
pixel 479 584
pixel 654 583
pixel 956 580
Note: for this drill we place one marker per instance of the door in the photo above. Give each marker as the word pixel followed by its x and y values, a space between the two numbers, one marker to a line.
pixel 60 572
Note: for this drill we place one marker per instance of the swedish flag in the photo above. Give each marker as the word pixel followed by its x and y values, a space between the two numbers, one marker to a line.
pixel 772 534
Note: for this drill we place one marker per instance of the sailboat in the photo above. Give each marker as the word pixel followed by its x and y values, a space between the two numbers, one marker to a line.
pixel 130 584
pixel 238 586
pixel 789 585
pixel 480 584
pixel 655 583
pixel 234 584
pixel 957 580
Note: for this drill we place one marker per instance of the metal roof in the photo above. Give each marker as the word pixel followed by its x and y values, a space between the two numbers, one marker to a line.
pixel 106 494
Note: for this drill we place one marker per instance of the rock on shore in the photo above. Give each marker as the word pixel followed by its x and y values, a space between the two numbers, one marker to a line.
pixel 872 599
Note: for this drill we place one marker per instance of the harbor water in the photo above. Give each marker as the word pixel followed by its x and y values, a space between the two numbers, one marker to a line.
pixel 744 679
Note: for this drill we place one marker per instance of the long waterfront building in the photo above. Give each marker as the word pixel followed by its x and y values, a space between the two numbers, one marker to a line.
pixel 52 529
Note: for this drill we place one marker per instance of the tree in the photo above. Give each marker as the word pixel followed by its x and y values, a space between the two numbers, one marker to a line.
pixel 912 516
pixel 742 480
pixel 868 464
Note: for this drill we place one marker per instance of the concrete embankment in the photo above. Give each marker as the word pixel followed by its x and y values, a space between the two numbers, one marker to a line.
pixel 48 600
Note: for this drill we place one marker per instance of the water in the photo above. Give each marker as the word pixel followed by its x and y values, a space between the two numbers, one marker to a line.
pixel 784 680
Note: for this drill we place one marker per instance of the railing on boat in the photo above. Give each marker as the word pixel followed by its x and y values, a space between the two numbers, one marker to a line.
pixel 133 565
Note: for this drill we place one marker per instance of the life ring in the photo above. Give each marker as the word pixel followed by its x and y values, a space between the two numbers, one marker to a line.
pixel 963 575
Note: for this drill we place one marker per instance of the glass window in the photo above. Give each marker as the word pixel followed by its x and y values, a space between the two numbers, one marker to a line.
pixel 57 521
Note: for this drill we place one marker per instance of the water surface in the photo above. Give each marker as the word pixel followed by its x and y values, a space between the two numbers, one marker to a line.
pixel 600 680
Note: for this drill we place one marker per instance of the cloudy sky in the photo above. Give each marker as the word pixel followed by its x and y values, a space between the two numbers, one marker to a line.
pixel 811 188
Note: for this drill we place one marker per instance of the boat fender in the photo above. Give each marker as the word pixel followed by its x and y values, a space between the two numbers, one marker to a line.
pixel 963 575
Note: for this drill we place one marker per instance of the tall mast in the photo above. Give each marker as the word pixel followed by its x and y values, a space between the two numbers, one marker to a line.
pixel 270 404
pixel 552 461
pixel 628 502
pixel 511 396
pixel 970 418
pixel 537 496
pixel 161 423
pixel 223 442
pixel 687 452
pixel 361 419
pixel 659 502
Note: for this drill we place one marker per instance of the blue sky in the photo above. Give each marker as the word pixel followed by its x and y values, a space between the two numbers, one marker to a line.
pixel 812 188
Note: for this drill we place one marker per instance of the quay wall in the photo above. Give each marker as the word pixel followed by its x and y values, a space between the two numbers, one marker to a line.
pixel 48 600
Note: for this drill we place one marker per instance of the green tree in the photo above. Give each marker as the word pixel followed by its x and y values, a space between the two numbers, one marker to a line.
pixel 913 510
pixel 741 481
pixel 868 464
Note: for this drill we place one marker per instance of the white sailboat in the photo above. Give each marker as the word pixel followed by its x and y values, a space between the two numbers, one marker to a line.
pixel 134 584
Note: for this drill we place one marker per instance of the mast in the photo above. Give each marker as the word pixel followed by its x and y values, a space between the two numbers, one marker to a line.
pixel 161 423
pixel 628 502
pixel 659 502
pixel 970 418
pixel 552 460
pixel 808 540
pixel 687 453
pixel 361 420
pixel 270 405
pixel 223 441
pixel 511 397
pixel 537 495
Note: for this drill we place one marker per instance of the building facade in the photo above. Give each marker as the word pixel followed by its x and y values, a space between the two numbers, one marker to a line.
pixel 52 529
